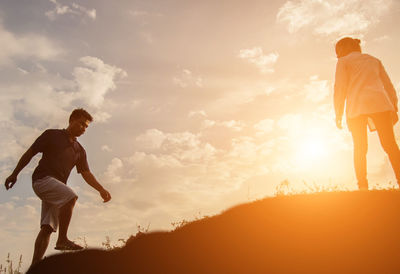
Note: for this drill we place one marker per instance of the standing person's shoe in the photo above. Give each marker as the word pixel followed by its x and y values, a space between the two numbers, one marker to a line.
pixel 363 185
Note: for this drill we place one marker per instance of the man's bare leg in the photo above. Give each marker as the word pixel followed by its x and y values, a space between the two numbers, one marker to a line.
pixel 41 243
pixel 64 220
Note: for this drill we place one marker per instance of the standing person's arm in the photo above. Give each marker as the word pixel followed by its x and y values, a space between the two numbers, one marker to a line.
pixel 387 84
pixel 25 159
pixel 340 90
pixel 92 181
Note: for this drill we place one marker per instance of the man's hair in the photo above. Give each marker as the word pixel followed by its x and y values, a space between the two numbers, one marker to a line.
pixel 78 113
pixel 346 46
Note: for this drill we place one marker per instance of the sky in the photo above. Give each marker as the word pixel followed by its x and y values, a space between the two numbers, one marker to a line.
pixel 197 105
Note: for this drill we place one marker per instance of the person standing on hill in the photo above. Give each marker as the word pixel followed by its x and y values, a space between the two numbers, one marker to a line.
pixel 363 84
pixel 61 152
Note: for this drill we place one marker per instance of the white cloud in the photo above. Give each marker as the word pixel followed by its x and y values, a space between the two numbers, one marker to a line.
pixel 95 79
pixel 28 107
pixel 144 17
pixel 73 9
pixel 382 38
pixel 184 147
pixel 209 123
pixel 91 82
pixel 199 113
pixel 317 90
pixel 230 124
pixel 106 148
pixel 24 72
pixel 235 125
pixel 291 122
pixel 91 13
pixel 26 47
pixel 112 171
pixel 256 56
pixel 264 126
pixel 151 139
pixel 336 17
pixel 187 79
pixel 101 116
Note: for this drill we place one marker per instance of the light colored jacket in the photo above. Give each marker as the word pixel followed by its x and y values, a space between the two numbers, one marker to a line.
pixel 362 82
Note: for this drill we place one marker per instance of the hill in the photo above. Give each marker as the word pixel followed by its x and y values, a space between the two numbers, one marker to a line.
pixel 333 232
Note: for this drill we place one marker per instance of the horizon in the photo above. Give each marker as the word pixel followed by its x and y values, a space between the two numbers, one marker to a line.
pixel 197 106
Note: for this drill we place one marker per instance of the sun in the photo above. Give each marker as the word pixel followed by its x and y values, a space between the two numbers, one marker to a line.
pixel 311 150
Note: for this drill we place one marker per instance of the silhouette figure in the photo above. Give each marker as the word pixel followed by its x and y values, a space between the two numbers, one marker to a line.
pixel 363 84
pixel 61 152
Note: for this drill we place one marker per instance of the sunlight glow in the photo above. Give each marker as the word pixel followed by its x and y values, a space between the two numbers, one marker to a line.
pixel 311 150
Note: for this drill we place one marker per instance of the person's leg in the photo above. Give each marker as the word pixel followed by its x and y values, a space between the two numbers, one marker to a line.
pixel 358 129
pixel 64 220
pixel 41 243
pixel 384 126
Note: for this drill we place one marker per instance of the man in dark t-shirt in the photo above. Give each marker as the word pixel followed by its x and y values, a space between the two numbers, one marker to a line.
pixel 61 152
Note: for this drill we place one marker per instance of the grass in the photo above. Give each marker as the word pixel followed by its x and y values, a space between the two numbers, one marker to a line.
pixel 9 268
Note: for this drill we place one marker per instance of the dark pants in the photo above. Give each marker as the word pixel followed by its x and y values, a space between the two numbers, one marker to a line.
pixel 384 126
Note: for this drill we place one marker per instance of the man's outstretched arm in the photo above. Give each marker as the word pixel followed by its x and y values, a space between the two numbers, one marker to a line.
pixel 25 159
pixel 92 181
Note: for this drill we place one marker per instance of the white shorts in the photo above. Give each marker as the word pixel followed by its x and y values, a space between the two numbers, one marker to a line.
pixel 54 194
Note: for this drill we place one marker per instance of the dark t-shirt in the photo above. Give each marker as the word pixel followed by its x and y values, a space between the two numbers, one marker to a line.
pixel 60 155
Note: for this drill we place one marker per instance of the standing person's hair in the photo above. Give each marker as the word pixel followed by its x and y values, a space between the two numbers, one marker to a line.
pixel 347 45
pixel 78 113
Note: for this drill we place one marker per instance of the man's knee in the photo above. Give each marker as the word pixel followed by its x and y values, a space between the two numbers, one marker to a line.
pixel 72 202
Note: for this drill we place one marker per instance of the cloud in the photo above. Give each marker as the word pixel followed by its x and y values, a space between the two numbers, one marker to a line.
pixel 106 148
pixel 91 82
pixel 291 122
pixel 230 124
pixel 95 79
pixel 256 56
pixel 28 46
pixel 264 126
pixel 332 17
pixel 101 116
pixel 91 13
pixel 73 9
pixel 112 170
pixel 185 162
pixel 316 90
pixel 29 106
pixel 199 113
pixel 151 139
pixel 14 235
pixel 187 79
pixel 182 146
pixel 144 17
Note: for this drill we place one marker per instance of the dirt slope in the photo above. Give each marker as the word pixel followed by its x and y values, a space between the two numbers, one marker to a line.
pixel 343 232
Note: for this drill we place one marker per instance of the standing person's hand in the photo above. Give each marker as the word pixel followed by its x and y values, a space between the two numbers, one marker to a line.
pixel 10 181
pixel 105 195
pixel 339 122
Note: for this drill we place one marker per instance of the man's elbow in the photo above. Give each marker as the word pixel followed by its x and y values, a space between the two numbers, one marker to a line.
pixel 85 173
